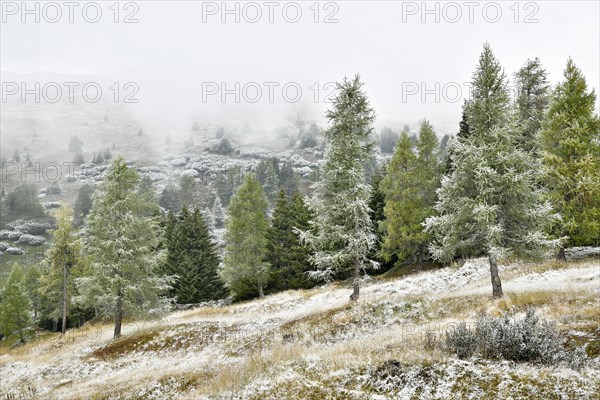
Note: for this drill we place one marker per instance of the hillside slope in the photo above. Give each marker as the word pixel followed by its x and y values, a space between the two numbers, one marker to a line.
pixel 315 345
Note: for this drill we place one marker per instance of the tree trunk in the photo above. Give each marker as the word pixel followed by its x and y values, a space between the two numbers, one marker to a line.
pixel 561 255
pixel 356 292
pixel 496 284
pixel 64 310
pixel 261 294
pixel 21 336
pixel 118 316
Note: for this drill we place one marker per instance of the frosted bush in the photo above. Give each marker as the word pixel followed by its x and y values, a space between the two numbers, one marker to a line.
pixel 189 172
pixel 14 251
pixel 51 204
pixel 3 246
pixel 527 339
pixel 461 341
pixel 179 162
pixel 27 226
pixel 576 253
pixel 10 235
pixel 32 240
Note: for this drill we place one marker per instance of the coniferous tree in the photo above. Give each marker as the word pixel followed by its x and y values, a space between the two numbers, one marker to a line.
pixel 83 204
pixel 428 167
pixel 14 308
pixel 62 259
pixel 227 183
pixel 533 89
pixel 267 173
pixel 122 242
pixel 75 144
pixel 78 158
pixel 188 190
pixel 444 146
pixel 146 190
pixel 409 189
pixel 343 236
pixel 288 259
pixel 401 189
pixel 491 202
pixel 387 140
pixel 377 205
pixel 245 270
pixel 32 283
pixel 288 178
pixel 208 219
pixel 169 199
pixel 23 202
pixel 570 139
pixel 218 213
pixel 192 259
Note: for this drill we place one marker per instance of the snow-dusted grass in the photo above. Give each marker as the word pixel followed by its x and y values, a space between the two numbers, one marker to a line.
pixel 315 344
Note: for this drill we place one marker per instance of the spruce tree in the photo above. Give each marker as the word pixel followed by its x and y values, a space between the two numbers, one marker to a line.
pixel 245 270
pixel 490 203
pixel 57 283
pixel 377 205
pixel 288 259
pixel 570 139
pixel 14 308
pixel 532 90
pixel 343 236
pixel 122 242
pixel 192 259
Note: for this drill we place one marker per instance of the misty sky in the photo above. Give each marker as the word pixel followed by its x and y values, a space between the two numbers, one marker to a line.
pixel 172 53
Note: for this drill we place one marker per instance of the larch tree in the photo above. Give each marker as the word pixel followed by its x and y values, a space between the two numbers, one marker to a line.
pixel 342 235
pixel 532 97
pixel 33 277
pixel 491 202
pixel 570 139
pixel 245 269
pixel 62 258
pixel 14 308
pixel 409 188
pixel 122 240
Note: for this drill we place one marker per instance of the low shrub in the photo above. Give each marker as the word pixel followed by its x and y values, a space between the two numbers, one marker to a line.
pixel 508 338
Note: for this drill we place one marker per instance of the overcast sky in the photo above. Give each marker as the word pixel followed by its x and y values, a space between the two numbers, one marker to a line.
pixel 176 49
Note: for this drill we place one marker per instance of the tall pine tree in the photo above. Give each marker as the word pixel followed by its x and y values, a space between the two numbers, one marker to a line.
pixel 409 188
pixel 288 259
pixel 343 236
pixel 533 92
pixel 62 258
pixel 122 242
pixel 192 259
pixel 490 203
pixel 14 308
pixel 245 270
pixel 377 204
pixel 571 151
